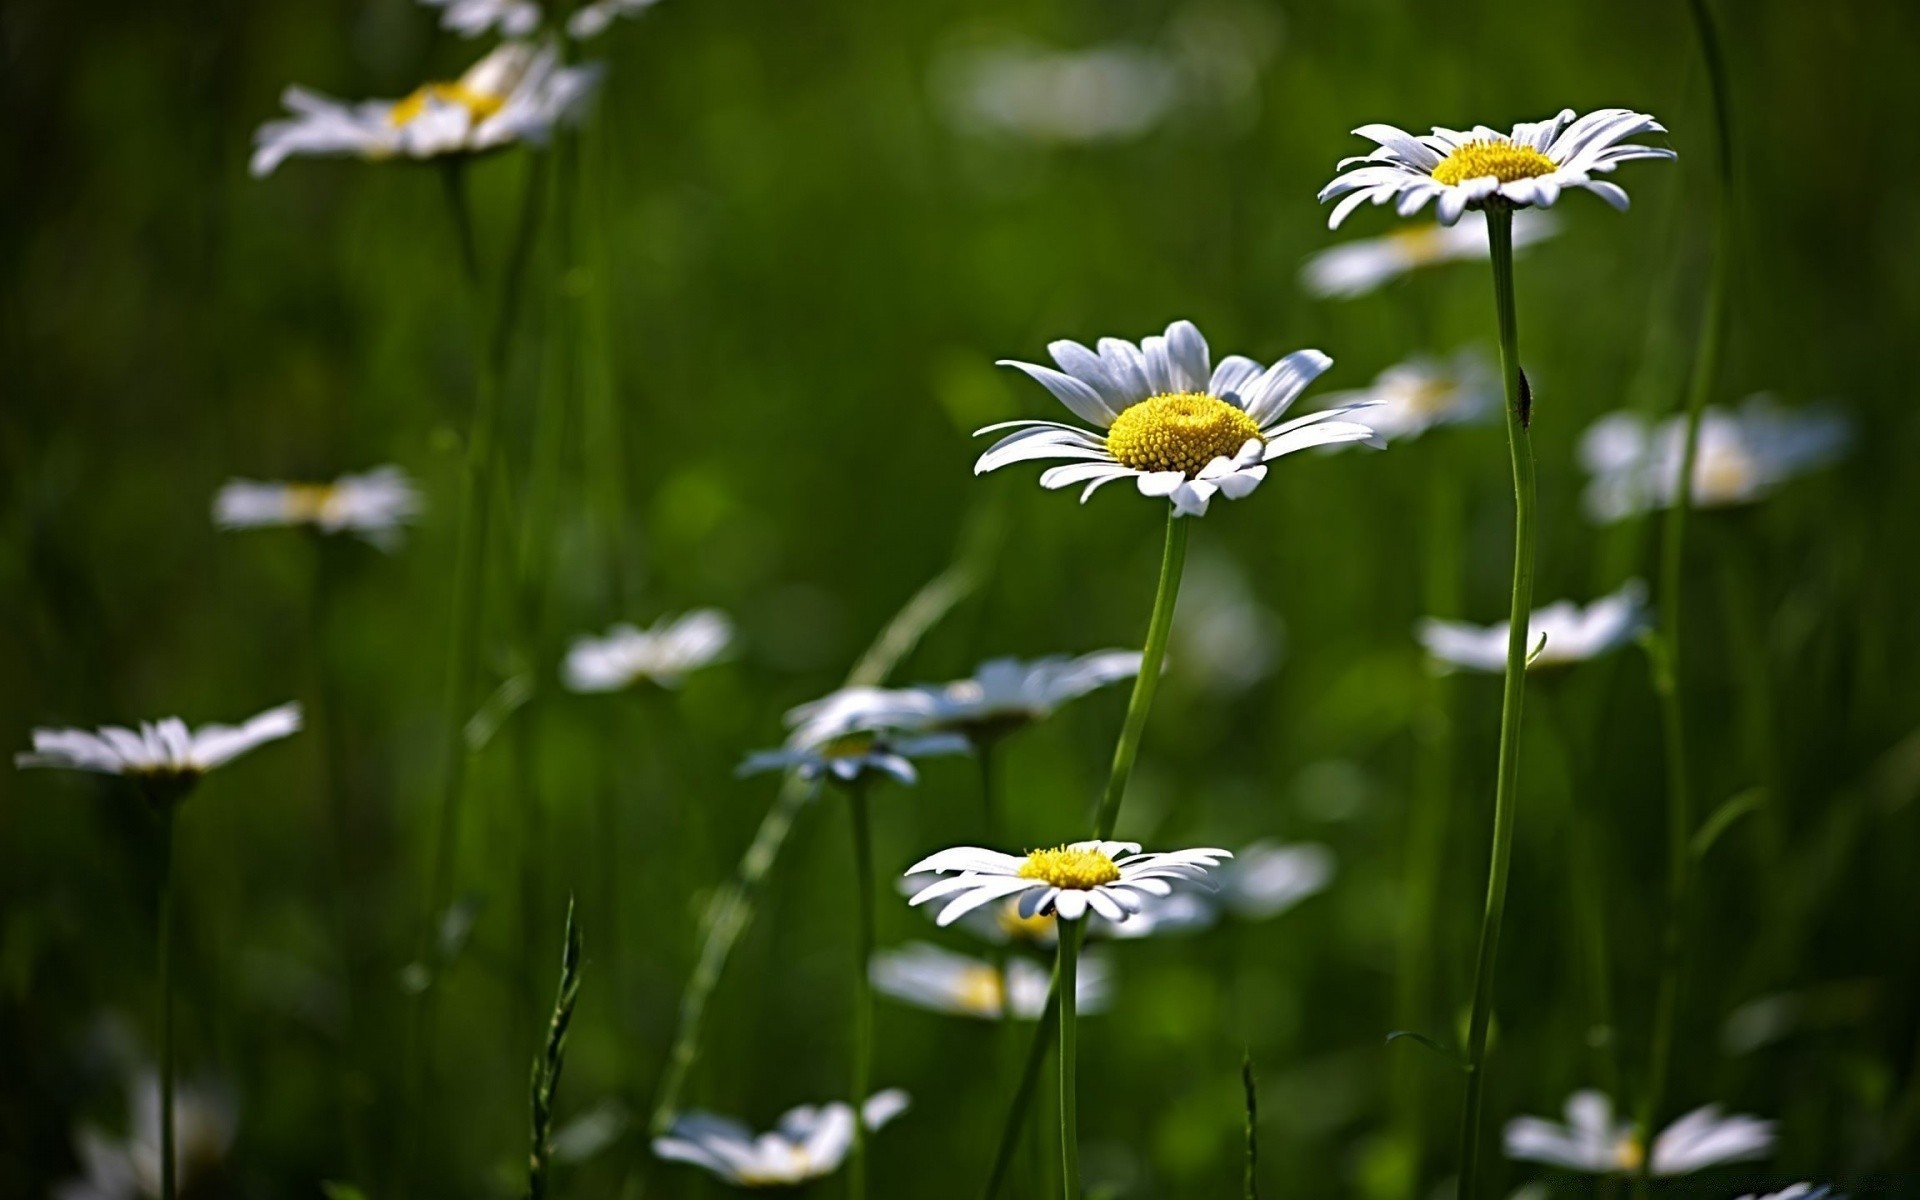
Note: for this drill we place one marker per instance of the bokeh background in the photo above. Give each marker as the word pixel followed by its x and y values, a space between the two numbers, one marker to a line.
pixel 801 239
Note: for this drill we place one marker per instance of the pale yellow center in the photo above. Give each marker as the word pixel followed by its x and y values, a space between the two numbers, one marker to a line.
pixel 479 105
pixel 978 990
pixel 1504 160
pixel 798 1166
pixel 1431 397
pixel 1628 1155
pixel 1070 867
pixel 310 501
pixel 1723 474
pixel 1179 431
pixel 1037 928
pixel 1420 243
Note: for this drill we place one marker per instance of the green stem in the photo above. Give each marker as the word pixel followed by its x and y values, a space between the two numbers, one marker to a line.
pixel 862 986
pixel 165 937
pixel 1066 979
pixel 1520 451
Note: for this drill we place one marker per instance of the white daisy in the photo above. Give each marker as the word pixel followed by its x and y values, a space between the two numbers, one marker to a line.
pixel 165 753
pixel 517 93
pixel 1411 397
pixel 1109 93
pixel 662 654
pixel 1573 634
pixel 1357 267
pixel 1592 1141
pixel 375 504
pixel 1796 1191
pixel 129 1168
pixel 809 1142
pixel 591 20
pixel 471 18
pixel 855 731
pixel 1167 419
pixel 1468 169
pixel 926 976
pixel 1005 694
pixel 1268 878
pixel 1110 879
pixel 1741 456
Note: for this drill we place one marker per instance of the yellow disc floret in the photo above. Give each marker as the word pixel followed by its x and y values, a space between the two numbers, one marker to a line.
pixel 479 105
pixel 1074 867
pixel 1179 431
pixel 310 501
pixel 1504 160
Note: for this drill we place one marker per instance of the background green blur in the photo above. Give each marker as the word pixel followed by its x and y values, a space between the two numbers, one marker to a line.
pixel 793 270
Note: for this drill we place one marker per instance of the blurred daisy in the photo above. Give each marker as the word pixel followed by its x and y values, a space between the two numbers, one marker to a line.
pixel 941 981
pixel 851 733
pixel 1107 93
pixel 1110 879
pixel 1268 878
pixel 471 18
pixel 591 20
pixel 1593 1142
pixel 1173 423
pixel 1796 1191
pixel 809 1142
pixel 661 655
pixel 166 755
pixel 517 93
pixel 1006 694
pixel 1741 456
pixel 376 504
pixel 1356 268
pixel 1573 634
pixel 1411 397
pixel 1225 639
pixel 129 1168
pixel 1468 169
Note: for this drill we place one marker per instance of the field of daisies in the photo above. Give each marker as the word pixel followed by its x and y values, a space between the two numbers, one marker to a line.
pixel 1022 598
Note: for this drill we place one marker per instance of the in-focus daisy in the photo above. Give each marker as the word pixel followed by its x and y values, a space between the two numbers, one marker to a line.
pixel 377 505
pixel 1592 1141
pixel 129 1168
pixel 851 733
pixel 472 18
pixel 1109 879
pixel 809 1142
pixel 1469 169
pixel 1742 456
pixel 1411 397
pixel 926 976
pixel 165 756
pixel 1168 419
pixel 591 20
pixel 1573 634
pixel 517 93
pixel 661 655
pixel 1006 694
pixel 1358 267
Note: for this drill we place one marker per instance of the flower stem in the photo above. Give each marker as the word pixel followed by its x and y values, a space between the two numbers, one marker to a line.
pixel 862 986
pixel 1066 980
pixel 1520 451
pixel 165 938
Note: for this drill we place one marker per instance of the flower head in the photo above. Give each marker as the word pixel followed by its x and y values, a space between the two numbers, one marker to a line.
pixel 591 20
pixel 129 1168
pixel 1573 634
pixel 1797 1191
pixel 1592 1141
pixel 809 1142
pixel 1168 419
pixel 517 93
pixel 1005 694
pixel 472 18
pixel 1110 879
pixel 376 505
pixel 854 732
pixel 662 654
pixel 1357 267
pixel 929 977
pixel 1741 457
pixel 164 755
pixel 1411 397
pixel 1470 169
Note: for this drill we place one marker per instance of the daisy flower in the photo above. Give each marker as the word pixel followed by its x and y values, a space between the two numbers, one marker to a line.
pixel 129 1168
pixel 809 1142
pixel 471 18
pixel 1470 169
pixel 1573 634
pixel 1006 694
pixel 662 654
pixel 1358 267
pixel 1741 457
pixel 1796 1191
pixel 377 505
pixel 1411 397
pixel 591 20
pixel 853 732
pixel 166 754
pixel 941 981
pixel 1593 1142
pixel 1169 420
pixel 1110 879
pixel 517 93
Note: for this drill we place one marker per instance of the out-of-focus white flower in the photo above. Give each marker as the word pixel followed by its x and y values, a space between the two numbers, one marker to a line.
pixel 129 1168
pixel 1104 93
pixel 1573 634
pixel 852 732
pixel 1006 694
pixel 1469 169
pixel 163 753
pixel 1109 879
pixel 1223 638
pixel 471 18
pixel 591 20
pixel 1267 878
pixel 926 976
pixel 1358 267
pixel 663 654
pixel 517 93
pixel 809 1142
pixel 377 505
pixel 1592 1141
pixel 1741 456
pixel 1411 397
pixel 1797 1191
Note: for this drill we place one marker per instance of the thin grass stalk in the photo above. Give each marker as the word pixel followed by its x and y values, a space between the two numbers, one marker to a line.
pixel 862 1075
pixel 1067 979
pixel 164 937
pixel 1507 781
pixel 548 1064
pixel 1251 1186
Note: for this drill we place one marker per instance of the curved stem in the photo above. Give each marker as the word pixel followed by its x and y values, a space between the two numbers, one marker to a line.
pixel 1520 452
pixel 1066 979
pixel 167 1182
pixel 862 987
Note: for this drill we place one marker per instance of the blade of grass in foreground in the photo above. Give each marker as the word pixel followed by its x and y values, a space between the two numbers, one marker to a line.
pixel 546 1068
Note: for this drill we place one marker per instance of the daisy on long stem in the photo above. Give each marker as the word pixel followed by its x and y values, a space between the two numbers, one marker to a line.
pixel 166 760
pixel 1484 170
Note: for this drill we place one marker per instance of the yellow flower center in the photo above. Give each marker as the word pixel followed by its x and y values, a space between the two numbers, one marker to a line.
pixel 1036 928
pixel 1179 431
pixel 1502 159
pixel 797 1167
pixel 309 501
pixel 1070 867
pixel 849 745
pixel 1420 243
pixel 1627 1155
pixel 978 991
pixel 1432 397
pixel 1722 475
pixel 479 105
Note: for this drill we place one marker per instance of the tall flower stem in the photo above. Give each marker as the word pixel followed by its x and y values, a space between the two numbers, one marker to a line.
pixel 862 986
pixel 165 939
pixel 1066 978
pixel 1507 781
